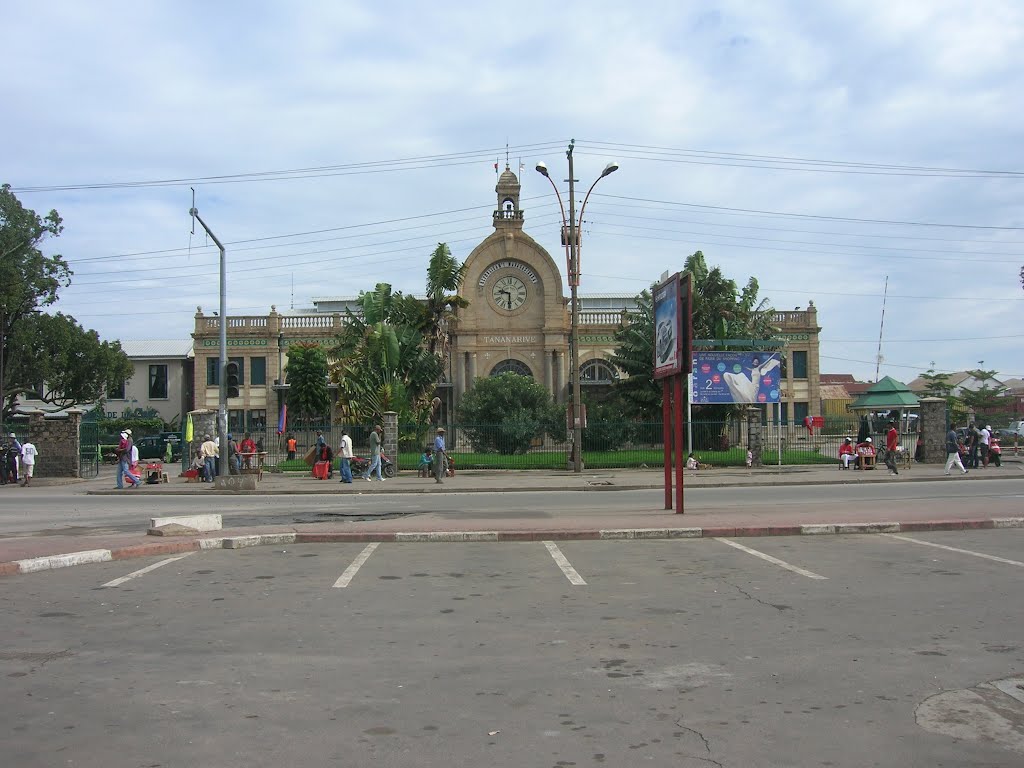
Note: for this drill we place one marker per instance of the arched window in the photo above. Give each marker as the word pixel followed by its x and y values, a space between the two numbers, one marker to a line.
pixel 598 372
pixel 512 366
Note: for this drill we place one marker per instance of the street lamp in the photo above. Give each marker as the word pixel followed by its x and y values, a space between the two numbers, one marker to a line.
pixel 571 242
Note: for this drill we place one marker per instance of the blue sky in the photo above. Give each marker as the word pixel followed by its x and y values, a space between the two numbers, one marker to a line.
pixel 398 110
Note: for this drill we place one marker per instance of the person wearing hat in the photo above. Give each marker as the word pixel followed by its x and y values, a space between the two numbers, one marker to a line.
pixel 440 457
pixel 124 458
pixel 13 457
pixel 847 453
pixel 209 453
pixel 375 454
pixel 985 443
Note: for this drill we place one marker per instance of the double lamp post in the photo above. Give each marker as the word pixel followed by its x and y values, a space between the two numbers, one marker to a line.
pixel 571 243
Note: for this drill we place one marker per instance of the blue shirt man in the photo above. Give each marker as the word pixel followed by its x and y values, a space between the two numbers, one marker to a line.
pixel 440 456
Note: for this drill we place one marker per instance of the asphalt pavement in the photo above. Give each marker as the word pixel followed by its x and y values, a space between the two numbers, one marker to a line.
pixel 632 519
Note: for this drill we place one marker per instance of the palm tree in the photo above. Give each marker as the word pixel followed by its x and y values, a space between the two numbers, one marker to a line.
pixel 444 280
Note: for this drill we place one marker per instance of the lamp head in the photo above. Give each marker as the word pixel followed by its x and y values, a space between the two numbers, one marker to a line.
pixel 612 167
pixel 542 169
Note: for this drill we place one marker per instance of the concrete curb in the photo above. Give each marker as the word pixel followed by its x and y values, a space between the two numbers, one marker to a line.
pixel 51 562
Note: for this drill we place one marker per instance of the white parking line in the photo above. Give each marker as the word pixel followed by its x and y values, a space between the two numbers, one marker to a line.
pixel 147 569
pixel 352 570
pixel 775 560
pixel 955 549
pixel 570 572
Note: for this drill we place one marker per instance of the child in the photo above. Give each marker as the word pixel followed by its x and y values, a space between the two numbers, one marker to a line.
pixel 691 462
pixel 750 459
pixel 426 460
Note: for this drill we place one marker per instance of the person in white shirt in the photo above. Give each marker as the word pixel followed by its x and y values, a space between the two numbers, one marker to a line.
pixel 986 443
pixel 28 461
pixel 346 456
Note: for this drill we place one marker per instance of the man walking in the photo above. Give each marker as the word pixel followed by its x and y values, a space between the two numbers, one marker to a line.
pixel 375 454
pixel 892 444
pixel 953 451
pixel 28 462
pixel 440 457
pixel 14 455
pixel 345 449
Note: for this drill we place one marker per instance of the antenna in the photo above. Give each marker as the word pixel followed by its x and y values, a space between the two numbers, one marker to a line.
pixel 881 327
pixel 506 153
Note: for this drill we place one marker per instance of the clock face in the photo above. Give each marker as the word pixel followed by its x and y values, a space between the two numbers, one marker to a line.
pixel 509 292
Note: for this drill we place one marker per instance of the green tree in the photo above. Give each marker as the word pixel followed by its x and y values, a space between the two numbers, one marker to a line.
pixel 444 281
pixel 936 384
pixel 505 413
pixel 29 279
pixel 309 400
pixel 74 364
pixel 988 400
pixel 382 362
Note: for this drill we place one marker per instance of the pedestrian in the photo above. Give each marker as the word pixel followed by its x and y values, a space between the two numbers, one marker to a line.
pixel 973 445
pixel 13 456
pixel 986 442
pixel 234 461
pixel 124 459
pixel 953 451
pixel 345 449
pixel 440 457
pixel 28 461
pixel 892 445
pixel 864 431
pixel 375 454
pixel 208 450
pixel 291 444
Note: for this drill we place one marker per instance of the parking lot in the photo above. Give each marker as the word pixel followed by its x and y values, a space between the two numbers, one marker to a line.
pixel 837 650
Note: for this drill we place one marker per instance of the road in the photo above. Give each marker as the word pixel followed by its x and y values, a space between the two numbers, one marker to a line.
pixel 64 510
pixel 839 651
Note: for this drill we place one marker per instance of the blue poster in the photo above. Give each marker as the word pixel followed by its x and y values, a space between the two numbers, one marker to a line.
pixel 736 377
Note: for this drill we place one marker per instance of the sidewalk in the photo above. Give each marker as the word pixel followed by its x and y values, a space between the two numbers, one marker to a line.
pixel 21 554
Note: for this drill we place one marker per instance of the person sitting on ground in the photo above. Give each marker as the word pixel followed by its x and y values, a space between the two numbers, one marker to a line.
pixel 426 459
pixel 691 462
pixel 847 453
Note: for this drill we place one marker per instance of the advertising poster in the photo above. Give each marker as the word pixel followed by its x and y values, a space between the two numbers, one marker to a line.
pixel 671 326
pixel 736 377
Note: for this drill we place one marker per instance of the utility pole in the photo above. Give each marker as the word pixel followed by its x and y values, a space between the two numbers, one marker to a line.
pixel 222 405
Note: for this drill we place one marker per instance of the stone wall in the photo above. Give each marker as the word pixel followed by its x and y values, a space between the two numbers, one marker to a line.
pixel 933 430
pixel 57 441
pixel 204 422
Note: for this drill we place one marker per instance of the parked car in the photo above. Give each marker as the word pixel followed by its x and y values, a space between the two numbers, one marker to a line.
pixel 155 447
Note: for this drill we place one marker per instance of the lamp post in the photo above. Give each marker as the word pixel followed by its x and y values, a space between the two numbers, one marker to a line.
pixel 571 242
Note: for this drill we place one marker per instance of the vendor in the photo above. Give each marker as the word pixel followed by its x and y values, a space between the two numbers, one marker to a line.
pixel 847 454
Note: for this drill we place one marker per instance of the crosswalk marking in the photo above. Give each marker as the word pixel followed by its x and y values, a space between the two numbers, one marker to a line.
pixel 570 572
pixel 352 570
pixel 774 560
pixel 147 569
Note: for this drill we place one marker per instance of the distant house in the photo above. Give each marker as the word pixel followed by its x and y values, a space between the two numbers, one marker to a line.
pixel 161 379
pixel 957 382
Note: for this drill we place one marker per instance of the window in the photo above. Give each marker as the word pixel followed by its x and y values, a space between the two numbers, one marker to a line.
pixel 512 366
pixel 799 414
pixel 785 412
pixel 257 421
pixel 115 391
pixel 799 365
pixel 258 371
pixel 598 372
pixel 236 423
pixel 36 393
pixel 213 370
pixel 158 382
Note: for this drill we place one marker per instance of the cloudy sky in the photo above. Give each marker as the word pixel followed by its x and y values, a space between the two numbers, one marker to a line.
pixel 822 148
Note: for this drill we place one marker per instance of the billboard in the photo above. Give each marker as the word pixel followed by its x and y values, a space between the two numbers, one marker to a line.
pixel 672 326
pixel 736 377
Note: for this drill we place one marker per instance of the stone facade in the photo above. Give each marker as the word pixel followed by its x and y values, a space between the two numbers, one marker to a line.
pixel 518 319
pixel 57 440
pixel 933 429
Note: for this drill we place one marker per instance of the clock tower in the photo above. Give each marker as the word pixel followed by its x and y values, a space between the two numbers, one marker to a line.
pixel 518 318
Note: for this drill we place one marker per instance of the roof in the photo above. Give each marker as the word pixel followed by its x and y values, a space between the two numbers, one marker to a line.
pixel 920 384
pixel 833 392
pixel 886 394
pixel 837 378
pixel 163 349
